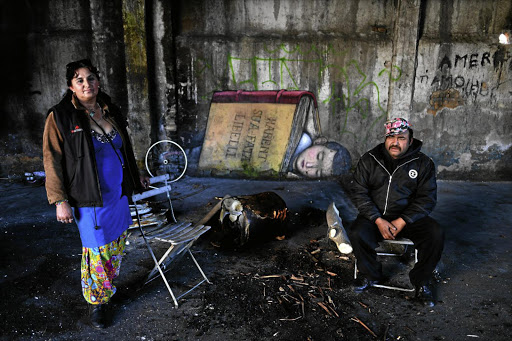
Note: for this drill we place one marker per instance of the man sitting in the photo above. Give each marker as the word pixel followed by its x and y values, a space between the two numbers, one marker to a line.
pixel 395 190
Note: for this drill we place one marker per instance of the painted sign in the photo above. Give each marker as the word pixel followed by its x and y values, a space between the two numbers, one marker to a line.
pixel 257 132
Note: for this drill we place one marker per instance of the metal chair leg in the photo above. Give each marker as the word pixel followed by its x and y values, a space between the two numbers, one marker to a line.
pixel 157 265
pixel 392 255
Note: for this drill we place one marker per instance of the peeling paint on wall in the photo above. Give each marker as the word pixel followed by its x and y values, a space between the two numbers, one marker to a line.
pixel 450 98
pixel 493 140
pixel 463 163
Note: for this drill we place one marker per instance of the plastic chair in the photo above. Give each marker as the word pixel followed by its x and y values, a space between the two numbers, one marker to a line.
pixel 401 241
pixel 180 236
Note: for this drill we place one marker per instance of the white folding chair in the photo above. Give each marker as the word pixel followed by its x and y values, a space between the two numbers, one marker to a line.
pixel 180 236
pixel 401 241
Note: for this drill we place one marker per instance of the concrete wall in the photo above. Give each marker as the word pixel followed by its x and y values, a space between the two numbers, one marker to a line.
pixel 39 38
pixel 463 88
pixel 435 62
pixel 331 48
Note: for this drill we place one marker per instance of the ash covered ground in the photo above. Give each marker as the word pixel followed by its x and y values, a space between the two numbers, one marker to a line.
pixel 299 288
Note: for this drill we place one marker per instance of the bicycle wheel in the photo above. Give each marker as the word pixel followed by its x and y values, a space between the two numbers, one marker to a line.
pixel 166 157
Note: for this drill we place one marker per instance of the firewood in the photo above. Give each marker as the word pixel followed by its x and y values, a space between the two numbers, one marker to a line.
pixel 321 304
pixel 355 319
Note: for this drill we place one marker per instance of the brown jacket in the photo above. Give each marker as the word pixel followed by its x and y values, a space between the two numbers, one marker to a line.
pixel 68 153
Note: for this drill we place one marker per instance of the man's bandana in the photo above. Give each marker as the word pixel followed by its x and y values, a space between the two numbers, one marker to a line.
pixel 396 126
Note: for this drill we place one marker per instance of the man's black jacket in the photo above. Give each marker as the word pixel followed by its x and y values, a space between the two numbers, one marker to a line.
pixel 409 191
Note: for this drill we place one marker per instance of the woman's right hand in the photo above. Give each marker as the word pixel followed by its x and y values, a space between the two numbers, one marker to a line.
pixel 64 213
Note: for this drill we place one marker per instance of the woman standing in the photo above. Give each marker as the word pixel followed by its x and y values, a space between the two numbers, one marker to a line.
pixel 90 173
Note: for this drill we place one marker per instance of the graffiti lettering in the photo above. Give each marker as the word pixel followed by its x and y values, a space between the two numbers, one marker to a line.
pixel 352 98
pixel 234 137
pixel 251 137
pixel 248 147
pixel 470 61
pixel 473 63
pixel 459 81
pixel 279 66
pixel 485 58
pixel 459 58
pixel 467 86
pixel 268 135
pixel 423 77
pixel 256 116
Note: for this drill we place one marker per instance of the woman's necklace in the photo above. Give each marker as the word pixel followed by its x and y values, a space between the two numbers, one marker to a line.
pixel 92 113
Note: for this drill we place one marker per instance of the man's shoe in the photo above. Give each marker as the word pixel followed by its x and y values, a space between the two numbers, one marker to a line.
pixel 425 295
pixel 98 316
pixel 366 285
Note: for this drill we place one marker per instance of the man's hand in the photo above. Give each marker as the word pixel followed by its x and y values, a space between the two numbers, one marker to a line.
pixel 399 223
pixel 387 230
pixel 64 213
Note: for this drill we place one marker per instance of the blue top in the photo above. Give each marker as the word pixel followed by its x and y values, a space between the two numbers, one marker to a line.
pixel 114 217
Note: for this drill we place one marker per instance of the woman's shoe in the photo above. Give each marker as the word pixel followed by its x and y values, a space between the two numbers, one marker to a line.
pixel 98 315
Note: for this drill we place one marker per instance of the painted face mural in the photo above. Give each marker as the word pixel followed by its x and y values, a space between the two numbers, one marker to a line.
pixel 315 162
pixel 268 134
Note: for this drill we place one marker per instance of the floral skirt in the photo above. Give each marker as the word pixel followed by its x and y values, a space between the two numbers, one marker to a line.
pixel 100 265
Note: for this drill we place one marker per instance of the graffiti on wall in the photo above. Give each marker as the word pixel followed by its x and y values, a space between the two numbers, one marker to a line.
pixel 353 98
pixel 350 88
pixel 235 142
pixel 458 79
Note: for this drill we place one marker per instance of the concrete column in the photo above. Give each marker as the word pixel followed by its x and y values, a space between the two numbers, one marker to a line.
pixel 108 48
pixel 162 60
pixel 134 19
pixel 405 39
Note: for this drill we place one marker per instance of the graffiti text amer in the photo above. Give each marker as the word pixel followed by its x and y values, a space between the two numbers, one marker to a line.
pixel 469 61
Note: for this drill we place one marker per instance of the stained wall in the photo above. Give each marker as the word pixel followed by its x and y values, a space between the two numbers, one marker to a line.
pixel 435 62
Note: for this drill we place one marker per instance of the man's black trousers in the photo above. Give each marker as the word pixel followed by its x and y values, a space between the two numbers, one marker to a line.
pixel 426 234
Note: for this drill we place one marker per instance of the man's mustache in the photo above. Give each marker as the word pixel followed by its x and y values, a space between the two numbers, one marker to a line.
pixel 400 149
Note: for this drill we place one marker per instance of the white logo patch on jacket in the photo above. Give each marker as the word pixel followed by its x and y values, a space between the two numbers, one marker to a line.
pixel 413 173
